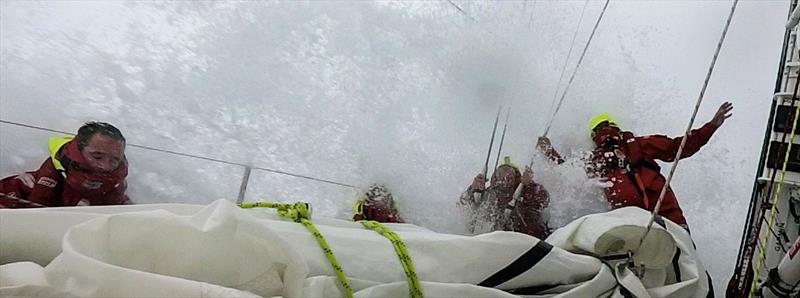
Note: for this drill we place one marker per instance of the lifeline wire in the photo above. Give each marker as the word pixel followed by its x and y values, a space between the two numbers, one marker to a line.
pixel 575 71
pixel 569 54
pixel 193 156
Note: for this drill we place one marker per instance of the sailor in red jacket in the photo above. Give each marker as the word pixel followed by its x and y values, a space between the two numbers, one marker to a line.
pixel 628 162
pixel 376 204
pixel 504 210
pixel 87 170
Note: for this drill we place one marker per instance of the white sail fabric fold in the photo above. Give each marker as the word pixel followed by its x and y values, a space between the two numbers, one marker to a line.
pixel 221 250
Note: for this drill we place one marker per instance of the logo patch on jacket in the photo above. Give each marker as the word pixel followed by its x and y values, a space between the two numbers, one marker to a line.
pixel 88 184
pixel 795 248
pixel 46 181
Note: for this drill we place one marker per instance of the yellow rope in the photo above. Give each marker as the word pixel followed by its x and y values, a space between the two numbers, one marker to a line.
pixel 414 288
pixel 775 201
pixel 299 213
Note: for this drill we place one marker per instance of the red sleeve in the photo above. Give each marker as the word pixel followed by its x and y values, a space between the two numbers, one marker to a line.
pixel 550 153
pixel 553 155
pixel 535 196
pixel 665 148
pixel 49 183
pixel 12 191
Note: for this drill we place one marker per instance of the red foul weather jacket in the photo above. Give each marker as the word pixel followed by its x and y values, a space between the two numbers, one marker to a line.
pixel 67 182
pixel 526 215
pixel 377 211
pixel 635 176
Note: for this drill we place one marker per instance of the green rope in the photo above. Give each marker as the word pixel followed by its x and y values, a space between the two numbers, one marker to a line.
pixel 414 288
pixel 299 213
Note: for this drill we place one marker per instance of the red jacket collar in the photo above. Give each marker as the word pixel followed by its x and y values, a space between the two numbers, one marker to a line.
pixel 70 156
pixel 71 151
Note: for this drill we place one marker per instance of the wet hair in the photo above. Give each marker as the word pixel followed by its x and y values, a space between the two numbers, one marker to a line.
pixel 378 190
pixel 91 128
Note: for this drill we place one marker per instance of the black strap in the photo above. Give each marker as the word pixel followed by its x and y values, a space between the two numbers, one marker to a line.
pixel 531 290
pixel 522 264
pixel 646 164
pixel 615 257
pixel 774 284
pixel 65 161
pixel 677 269
pixel 676 266
pixel 625 292
pixel 710 286
pixel 660 221
pixel 635 168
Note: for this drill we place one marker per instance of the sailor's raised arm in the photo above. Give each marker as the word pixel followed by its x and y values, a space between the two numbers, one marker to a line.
pixel 544 146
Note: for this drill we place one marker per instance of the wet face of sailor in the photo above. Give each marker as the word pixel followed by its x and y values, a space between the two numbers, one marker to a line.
pixel 606 134
pixel 505 179
pixel 103 153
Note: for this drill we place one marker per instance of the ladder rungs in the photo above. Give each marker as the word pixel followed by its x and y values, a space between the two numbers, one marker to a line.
pixel 766 179
pixel 782 95
pixel 779 135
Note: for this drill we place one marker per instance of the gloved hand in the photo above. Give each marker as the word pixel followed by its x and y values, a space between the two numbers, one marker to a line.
pixel 527 176
pixel 478 184
pixel 543 144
